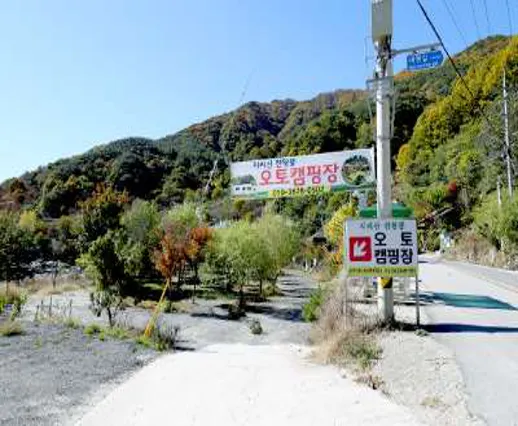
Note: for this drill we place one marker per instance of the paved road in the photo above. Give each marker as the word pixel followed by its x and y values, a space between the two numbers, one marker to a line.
pixel 243 385
pixel 474 311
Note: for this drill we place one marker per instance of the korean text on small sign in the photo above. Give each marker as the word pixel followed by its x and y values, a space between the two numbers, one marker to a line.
pixel 381 247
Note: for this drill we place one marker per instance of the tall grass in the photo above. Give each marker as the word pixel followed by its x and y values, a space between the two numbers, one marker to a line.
pixel 344 335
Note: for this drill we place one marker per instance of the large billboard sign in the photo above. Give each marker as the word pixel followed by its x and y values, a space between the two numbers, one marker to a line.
pixel 303 175
pixel 381 248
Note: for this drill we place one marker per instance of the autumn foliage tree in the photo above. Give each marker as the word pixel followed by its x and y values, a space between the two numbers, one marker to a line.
pixel 182 244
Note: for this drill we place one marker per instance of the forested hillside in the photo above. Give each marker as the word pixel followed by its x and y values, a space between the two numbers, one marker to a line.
pixel 447 148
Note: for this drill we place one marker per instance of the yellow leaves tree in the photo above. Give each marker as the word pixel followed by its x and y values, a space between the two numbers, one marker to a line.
pixel 334 231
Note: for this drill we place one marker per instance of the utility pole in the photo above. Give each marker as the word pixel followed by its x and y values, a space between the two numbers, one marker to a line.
pixel 507 140
pixel 382 23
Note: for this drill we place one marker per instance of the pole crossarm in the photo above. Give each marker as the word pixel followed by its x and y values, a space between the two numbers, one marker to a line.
pixel 416 49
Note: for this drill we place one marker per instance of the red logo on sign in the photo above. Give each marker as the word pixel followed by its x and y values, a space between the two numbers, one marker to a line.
pixel 360 249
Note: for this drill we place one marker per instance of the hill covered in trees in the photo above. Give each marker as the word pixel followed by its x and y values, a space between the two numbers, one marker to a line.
pixel 447 147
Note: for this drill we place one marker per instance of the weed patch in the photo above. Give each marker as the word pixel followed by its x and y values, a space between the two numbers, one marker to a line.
pixel 345 336
pixel 271 290
pixel 72 323
pixel 162 339
pixel 11 328
pixel 14 298
pixel 170 307
pixel 118 333
pixel 432 402
pixel 92 329
pixel 311 310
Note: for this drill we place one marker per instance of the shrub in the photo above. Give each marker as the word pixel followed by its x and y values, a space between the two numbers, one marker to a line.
pixel 162 338
pixel 118 333
pixel 15 297
pixel 11 328
pixel 165 336
pixel 92 329
pixel 360 348
pixel 104 266
pixel 271 290
pixel 311 310
pixel 72 323
pixel 251 253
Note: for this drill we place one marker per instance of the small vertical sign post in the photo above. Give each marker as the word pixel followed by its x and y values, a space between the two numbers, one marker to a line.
pixel 382 248
pixel 417 302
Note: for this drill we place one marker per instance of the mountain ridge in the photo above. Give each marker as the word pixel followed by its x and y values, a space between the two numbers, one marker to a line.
pixel 176 167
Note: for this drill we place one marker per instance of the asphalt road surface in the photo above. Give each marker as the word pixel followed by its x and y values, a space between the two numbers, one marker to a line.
pixel 474 311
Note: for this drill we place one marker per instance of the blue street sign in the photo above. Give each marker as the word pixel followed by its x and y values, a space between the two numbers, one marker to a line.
pixel 424 61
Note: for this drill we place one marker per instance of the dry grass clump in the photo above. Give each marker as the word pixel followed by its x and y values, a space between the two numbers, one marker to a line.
pixel 344 335
pixel 11 328
pixel 471 247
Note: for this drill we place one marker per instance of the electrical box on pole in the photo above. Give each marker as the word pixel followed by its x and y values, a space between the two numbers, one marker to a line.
pixel 381 21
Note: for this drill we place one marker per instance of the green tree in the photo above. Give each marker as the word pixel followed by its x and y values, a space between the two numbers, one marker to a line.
pixel 101 213
pixel 106 269
pixel 17 249
pixel 282 240
pixel 140 227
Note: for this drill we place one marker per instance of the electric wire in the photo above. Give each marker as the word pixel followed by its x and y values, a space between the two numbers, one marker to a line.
pixel 509 17
pixel 475 19
pixel 457 71
pixel 441 41
pixel 488 21
pixel 222 144
pixel 450 11
pixel 455 67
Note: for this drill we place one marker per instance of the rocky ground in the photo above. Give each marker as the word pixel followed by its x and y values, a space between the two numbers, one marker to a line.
pixel 49 374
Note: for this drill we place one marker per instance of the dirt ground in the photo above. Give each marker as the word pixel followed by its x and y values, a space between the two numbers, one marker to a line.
pixel 52 374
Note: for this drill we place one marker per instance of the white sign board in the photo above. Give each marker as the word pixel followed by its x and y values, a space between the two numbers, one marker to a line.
pixel 381 247
pixel 309 174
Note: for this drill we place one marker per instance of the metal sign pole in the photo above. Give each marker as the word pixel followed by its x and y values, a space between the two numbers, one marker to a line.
pixel 382 24
pixel 417 302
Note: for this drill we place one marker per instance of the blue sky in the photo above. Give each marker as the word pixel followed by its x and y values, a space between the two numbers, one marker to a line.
pixel 74 74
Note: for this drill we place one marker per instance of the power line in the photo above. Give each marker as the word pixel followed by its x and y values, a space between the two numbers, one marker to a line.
pixel 222 144
pixel 509 17
pixel 439 38
pixel 475 18
pixel 454 20
pixel 441 41
pixel 487 18
pixel 457 71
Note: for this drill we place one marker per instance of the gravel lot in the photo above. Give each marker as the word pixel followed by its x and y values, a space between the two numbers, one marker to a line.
pixel 207 322
pixel 49 373
pixel 52 375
